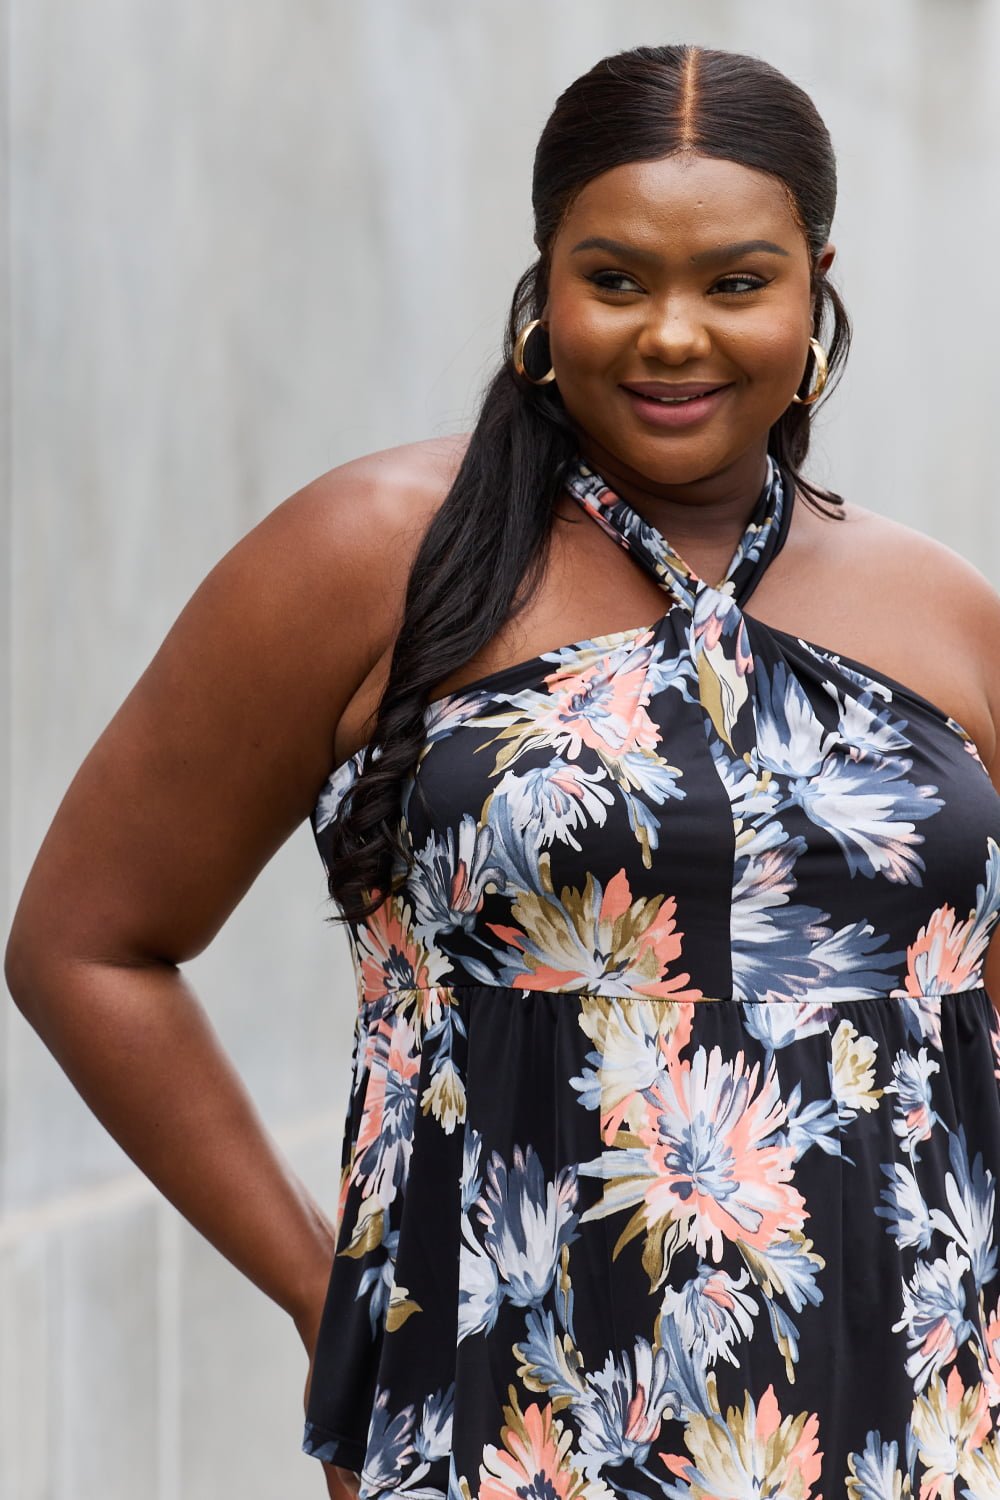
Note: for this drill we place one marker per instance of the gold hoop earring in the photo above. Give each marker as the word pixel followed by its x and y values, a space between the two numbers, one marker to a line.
pixel 821 369
pixel 517 356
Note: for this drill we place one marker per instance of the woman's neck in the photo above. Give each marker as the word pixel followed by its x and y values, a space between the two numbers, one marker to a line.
pixel 707 512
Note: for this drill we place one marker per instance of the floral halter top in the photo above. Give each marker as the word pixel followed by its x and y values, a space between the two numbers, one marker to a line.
pixel 673 1131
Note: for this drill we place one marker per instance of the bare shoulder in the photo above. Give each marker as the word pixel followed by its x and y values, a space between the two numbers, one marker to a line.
pixel 888 534
pixel 369 508
pixel 930 590
pixel 921 571
pixel 344 544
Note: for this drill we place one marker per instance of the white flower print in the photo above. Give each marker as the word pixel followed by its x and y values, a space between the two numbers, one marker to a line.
pixel 712 1312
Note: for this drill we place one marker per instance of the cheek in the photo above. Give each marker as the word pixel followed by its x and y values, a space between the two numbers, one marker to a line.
pixel 585 335
pixel 769 345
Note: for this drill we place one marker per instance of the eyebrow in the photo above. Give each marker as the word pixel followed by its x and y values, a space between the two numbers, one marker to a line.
pixel 716 255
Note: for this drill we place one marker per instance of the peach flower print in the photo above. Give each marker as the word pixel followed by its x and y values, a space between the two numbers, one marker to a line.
pixel 989 1358
pixel 382 1149
pixel 750 1452
pixel 705 1128
pixel 535 1461
pixel 949 1423
pixel 389 956
pixel 601 705
pixel 941 959
pixel 598 941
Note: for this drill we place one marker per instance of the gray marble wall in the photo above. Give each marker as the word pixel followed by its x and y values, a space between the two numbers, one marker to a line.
pixel 247 242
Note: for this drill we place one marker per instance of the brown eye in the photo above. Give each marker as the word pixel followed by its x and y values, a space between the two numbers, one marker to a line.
pixel 607 280
pixel 751 284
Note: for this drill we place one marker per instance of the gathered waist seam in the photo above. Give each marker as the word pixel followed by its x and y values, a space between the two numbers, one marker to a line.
pixel 892 996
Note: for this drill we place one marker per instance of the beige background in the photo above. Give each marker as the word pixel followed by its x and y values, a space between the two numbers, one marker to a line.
pixel 244 242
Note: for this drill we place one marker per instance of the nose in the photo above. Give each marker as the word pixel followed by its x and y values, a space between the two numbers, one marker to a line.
pixel 674 331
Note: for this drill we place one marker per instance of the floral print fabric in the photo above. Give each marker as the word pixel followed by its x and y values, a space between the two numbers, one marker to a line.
pixel 670 1166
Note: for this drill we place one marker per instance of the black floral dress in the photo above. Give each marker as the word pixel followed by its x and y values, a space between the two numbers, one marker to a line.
pixel 670 1166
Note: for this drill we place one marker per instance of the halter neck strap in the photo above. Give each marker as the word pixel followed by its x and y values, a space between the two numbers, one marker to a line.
pixel 760 543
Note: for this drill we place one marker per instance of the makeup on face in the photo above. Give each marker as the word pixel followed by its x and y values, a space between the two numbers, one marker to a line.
pixel 679 313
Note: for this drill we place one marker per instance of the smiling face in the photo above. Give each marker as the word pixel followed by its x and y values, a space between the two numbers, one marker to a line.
pixel 687 270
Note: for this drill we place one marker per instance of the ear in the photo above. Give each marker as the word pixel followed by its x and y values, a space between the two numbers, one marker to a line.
pixel 824 259
pixel 823 262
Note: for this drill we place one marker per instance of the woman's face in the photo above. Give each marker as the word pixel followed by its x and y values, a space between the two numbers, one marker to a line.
pixel 686 270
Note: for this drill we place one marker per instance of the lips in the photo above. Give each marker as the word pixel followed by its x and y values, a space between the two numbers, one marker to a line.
pixel 677 412
pixel 665 390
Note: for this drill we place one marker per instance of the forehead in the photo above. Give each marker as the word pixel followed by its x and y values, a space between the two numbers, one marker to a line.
pixel 684 202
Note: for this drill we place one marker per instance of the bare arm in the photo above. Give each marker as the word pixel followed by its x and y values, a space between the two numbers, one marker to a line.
pixel 215 757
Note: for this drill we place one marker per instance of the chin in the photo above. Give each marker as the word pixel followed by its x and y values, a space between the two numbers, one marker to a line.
pixel 671 460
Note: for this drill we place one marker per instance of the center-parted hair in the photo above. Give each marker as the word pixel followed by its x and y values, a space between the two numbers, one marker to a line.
pixel 484 553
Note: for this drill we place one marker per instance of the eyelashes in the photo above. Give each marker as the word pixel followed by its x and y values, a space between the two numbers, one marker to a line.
pixel 756 284
pixel 605 279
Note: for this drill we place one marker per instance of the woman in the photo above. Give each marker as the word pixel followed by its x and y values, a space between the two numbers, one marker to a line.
pixel 674 1129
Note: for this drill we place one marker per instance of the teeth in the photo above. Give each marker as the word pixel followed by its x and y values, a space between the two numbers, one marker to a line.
pixel 676 400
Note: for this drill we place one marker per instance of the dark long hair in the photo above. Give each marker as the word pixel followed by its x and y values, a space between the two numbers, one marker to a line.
pixel 484 553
